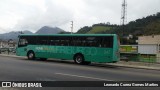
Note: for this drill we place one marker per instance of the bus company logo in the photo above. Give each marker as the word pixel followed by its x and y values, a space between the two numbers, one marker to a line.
pixel 39 48
pixel 6 84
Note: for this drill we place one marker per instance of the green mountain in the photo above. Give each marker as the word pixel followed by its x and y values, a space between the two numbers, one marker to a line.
pixel 96 29
pixel 145 26
pixel 149 25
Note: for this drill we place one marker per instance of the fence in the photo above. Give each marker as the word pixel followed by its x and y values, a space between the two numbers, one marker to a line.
pixel 8 51
pixel 140 58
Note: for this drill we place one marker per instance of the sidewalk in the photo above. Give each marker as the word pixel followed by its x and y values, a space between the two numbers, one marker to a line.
pixel 10 55
pixel 129 64
pixel 140 65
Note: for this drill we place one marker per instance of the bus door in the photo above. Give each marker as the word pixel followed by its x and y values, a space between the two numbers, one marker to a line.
pixel 22 47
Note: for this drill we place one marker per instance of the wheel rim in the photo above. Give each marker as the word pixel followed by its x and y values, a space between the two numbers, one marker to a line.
pixel 31 55
pixel 79 59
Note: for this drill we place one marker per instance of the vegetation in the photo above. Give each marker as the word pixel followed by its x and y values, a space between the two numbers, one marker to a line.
pixel 84 30
pixel 149 25
pixel 63 32
pixel 97 29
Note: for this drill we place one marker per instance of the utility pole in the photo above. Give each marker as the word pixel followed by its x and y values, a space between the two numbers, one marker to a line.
pixel 21 32
pixel 71 27
pixel 124 13
pixel 123 19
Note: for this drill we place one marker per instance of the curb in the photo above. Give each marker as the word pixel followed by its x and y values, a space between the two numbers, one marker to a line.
pixel 115 64
pixel 10 55
pixel 136 67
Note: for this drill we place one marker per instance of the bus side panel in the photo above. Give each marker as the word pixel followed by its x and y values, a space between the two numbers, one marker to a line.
pixel 60 52
pixel 102 55
pixel 95 54
pixel 21 51
pixel 116 52
pixel 39 50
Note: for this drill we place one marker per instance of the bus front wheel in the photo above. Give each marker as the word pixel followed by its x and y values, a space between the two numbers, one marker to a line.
pixel 79 59
pixel 31 55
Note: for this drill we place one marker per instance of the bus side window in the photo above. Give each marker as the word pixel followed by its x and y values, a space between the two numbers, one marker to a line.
pixel 42 40
pixel 108 42
pixel 65 41
pixel 99 42
pixel 31 40
pixel 22 42
pixel 53 40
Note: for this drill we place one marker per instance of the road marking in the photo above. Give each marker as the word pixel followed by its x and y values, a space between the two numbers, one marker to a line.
pixel 83 76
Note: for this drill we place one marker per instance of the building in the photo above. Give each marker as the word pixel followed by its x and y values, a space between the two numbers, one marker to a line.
pixel 3 44
pixel 149 45
pixel 7 44
pixel 154 39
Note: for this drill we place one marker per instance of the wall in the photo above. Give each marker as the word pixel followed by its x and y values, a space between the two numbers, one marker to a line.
pixel 147 49
pixel 154 39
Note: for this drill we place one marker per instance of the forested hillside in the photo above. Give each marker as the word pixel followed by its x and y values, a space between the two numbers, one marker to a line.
pixel 145 26
pixel 149 25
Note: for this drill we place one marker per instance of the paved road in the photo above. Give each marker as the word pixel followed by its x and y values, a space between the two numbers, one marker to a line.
pixel 21 69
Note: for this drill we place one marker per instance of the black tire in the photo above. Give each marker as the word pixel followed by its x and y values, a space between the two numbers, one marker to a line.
pixel 87 62
pixel 43 59
pixel 31 55
pixel 79 59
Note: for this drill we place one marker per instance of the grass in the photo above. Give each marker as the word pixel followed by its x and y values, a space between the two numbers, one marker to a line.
pixel 97 29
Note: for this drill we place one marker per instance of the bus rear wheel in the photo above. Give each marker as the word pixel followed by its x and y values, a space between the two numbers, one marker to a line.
pixel 79 59
pixel 31 55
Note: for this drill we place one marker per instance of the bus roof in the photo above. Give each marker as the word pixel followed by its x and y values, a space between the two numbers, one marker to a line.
pixel 67 35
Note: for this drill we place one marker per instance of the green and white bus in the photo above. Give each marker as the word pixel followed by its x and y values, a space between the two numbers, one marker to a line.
pixel 82 48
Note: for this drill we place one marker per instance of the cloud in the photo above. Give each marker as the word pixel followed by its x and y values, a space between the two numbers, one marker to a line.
pixel 33 14
pixel 52 15
pixel 142 8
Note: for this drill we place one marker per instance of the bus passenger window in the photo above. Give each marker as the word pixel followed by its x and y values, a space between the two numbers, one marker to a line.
pixel 22 42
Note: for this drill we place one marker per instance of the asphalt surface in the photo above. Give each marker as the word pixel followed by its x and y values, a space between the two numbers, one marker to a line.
pixel 21 69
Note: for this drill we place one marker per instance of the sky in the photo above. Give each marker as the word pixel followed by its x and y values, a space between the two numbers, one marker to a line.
pixel 20 15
